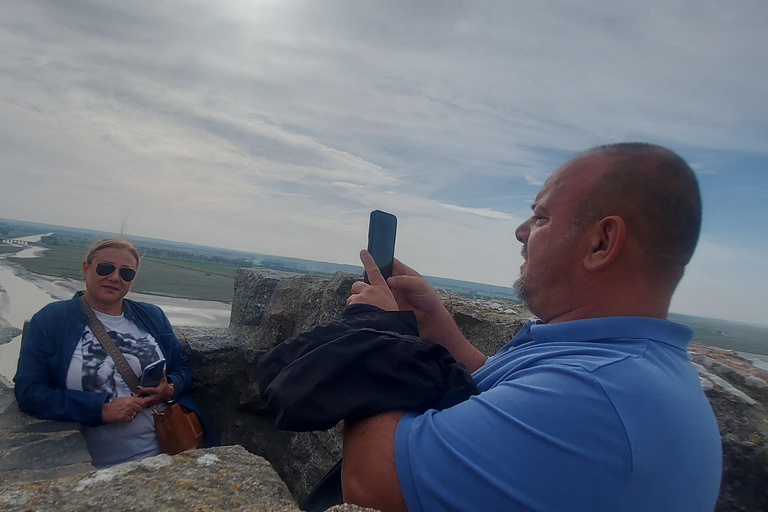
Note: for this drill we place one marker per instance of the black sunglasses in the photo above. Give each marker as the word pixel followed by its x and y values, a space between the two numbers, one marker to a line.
pixel 105 269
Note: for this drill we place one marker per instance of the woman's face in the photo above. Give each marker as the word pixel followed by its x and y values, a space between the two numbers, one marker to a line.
pixel 110 289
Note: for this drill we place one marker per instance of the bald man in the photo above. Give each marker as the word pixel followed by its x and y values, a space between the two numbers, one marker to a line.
pixel 593 407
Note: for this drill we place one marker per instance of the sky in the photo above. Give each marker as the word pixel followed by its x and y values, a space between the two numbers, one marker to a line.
pixel 276 126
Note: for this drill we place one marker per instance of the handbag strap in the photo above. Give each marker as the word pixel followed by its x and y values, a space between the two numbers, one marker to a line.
pixel 101 334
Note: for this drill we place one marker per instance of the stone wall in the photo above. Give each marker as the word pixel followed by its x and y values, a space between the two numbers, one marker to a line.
pixel 736 389
pixel 270 307
pixel 280 306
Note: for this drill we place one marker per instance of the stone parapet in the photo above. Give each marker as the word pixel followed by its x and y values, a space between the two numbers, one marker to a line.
pixel 33 449
pixel 269 308
pixel 221 478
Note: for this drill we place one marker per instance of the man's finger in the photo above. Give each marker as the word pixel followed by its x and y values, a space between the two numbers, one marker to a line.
pixel 374 274
pixel 406 283
pixel 401 269
pixel 358 287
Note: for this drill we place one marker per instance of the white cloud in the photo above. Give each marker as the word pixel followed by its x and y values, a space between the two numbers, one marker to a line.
pixel 532 180
pixel 480 212
pixel 277 126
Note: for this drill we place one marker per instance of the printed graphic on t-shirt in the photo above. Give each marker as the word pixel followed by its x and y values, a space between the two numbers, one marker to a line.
pixel 99 371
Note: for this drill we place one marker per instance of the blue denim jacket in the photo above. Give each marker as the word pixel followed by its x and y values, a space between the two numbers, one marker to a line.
pixel 51 338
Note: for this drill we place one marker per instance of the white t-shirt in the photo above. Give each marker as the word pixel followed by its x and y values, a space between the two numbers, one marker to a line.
pixel 92 369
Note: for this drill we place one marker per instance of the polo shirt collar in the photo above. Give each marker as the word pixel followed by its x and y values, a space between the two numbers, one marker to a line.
pixel 614 327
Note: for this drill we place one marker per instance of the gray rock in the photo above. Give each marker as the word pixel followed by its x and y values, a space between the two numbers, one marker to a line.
pixel 208 340
pixel 7 333
pixel 253 288
pixel 222 478
pixel 755 382
pixel 702 359
pixel 33 449
pixel 296 303
pixel 486 328
pixel 301 302
pixel 743 429
pixel 269 308
pixel 715 381
pixel 345 507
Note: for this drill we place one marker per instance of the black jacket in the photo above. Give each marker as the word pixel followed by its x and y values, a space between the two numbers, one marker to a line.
pixel 367 362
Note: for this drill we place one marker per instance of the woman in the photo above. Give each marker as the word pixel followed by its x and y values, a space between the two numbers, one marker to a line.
pixel 65 374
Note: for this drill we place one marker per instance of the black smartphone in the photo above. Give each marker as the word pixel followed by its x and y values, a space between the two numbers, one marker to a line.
pixel 381 241
pixel 153 374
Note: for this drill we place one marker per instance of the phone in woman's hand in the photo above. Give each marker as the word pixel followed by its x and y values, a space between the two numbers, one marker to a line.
pixel 153 374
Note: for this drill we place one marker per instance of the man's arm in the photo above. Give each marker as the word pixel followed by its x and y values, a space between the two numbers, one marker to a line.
pixel 407 290
pixel 368 473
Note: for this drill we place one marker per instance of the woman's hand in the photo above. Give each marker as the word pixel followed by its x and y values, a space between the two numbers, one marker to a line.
pixel 122 409
pixel 162 393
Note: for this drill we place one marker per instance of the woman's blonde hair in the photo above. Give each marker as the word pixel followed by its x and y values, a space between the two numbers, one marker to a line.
pixel 113 243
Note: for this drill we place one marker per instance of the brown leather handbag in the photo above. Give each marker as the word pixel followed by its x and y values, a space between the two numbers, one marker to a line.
pixel 178 429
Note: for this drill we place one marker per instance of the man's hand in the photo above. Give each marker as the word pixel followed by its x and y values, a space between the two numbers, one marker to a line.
pixel 412 292
pixel 407 290
pixel 377 293
pixel 122 410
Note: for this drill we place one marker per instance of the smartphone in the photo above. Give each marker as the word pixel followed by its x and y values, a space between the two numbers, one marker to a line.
pixel 381 241
pixel 153 374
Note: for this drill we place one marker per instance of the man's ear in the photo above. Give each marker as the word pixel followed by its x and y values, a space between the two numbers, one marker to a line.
pixel 85 267
pixel 606 240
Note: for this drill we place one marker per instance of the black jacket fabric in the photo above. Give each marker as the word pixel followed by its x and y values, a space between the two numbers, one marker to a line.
pixel 367 362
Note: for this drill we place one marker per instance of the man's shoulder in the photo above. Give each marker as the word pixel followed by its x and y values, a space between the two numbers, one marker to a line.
pixel 567 355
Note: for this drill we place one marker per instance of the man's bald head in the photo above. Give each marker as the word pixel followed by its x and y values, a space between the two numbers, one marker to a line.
pixel 656 193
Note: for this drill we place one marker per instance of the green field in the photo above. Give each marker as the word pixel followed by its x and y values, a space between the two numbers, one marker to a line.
pixel 725 334
pixel 193 280
pixel 207 273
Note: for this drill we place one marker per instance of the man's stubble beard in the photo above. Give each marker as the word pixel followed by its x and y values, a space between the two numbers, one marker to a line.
pixel 522 291
pixel 521 286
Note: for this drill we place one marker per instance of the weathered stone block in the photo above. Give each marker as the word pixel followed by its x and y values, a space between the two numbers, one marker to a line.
pixel 7 333
pixel 222 478
pixel 33 449
pixel 253 288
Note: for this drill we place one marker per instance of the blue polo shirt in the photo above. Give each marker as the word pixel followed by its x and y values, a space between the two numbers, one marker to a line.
pixel 602 414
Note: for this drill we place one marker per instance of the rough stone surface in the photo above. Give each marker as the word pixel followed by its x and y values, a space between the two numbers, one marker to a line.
pixel 301 302
pixel 732 383
pixel 297 303
pixel 226 384
pixel 742 416
pixel 8 333
pixel 488 328
pixel 222 478
pixel 32 449
pixel 253 289
pixel 271 307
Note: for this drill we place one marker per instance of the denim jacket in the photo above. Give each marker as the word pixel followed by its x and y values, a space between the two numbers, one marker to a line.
pixel 51 339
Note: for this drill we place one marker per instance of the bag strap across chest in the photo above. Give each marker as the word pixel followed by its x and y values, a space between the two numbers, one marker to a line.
pixel 101 334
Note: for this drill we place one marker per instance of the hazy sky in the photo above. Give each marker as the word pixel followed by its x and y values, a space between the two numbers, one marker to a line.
pixel 276 126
